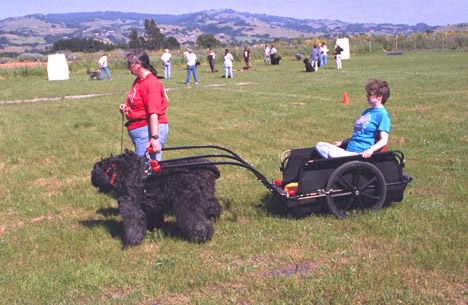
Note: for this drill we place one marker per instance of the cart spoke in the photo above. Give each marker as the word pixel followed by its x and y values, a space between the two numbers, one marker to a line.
pixel 349 204
pixel 356 177
pixel 371 197
pixel 361 204
pixel 346 184
pixel 368 184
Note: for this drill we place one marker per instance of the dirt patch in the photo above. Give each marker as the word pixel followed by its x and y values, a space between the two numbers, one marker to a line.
pixel 215 85
pixel 41 99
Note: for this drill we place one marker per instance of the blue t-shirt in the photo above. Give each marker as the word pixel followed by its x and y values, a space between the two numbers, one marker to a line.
pixel 366 128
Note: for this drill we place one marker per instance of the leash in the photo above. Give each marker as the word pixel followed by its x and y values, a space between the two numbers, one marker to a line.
pixel 121 136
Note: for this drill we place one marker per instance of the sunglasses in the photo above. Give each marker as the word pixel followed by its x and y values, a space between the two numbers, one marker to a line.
pixel 130 64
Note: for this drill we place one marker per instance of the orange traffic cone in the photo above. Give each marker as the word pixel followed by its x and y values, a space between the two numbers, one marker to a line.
pixel 345 98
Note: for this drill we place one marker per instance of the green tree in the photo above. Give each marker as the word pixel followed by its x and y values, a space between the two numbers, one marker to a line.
pixel 81 45
pixel 208 41
pixel 171 43
pixel 134 40
pixel 153 37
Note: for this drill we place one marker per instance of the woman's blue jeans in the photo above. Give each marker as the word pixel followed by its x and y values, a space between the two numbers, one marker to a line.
pixel 141 136
pixel 167 70
pixel 107 72
pixel 194 70
pixel 228 71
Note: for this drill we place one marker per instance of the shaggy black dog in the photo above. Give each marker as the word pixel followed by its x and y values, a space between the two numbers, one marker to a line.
pixel 275 60
pixel 308 65
pixel 93 74
pixel 144 199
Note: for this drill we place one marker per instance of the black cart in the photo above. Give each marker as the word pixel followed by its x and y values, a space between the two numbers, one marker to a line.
pixel 347 185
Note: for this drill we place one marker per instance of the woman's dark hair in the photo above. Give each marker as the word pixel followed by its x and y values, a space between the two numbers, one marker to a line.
pixel 378 88
pixel 139 55
pixel 226 51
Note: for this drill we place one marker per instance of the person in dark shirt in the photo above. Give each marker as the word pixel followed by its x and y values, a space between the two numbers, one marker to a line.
pixel 338 51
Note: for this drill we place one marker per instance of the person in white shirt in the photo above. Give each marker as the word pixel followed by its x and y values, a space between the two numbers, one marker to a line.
pixel 272 55
pixel 191 65
pixel 323 55
pixel 266 53
pixel 228 59
pixel 104 67
pixel 166 60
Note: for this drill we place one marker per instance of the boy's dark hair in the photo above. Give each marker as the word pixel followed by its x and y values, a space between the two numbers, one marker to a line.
pixel 378 88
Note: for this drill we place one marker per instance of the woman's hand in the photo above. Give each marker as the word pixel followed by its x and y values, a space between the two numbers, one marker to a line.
pixel 155 144
pixel 367 153
pixel 123 108
pixel 337 143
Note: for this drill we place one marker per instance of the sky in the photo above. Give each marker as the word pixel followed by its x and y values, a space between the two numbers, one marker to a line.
pixel 411 12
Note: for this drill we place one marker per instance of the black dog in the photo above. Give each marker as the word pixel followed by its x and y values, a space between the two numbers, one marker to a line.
pixel 186 192
pixel 308 65
pixel 93 74
pixel 275 60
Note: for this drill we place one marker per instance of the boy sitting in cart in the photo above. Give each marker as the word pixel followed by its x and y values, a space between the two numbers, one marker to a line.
pixel 371 130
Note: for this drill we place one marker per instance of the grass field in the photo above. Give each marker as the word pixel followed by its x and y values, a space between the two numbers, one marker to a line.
pixel 60 240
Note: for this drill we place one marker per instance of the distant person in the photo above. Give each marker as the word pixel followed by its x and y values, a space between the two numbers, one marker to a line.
pixel 228 59
pixel 145 106
pixel 247 58
pixel 104 67
pixel 323 54
pixel 166 61
pixel 315 57
pixel 272 53
pixel 266 55
pixel 191 66
pixel 211 59
pixel 337 54
pixel 373 123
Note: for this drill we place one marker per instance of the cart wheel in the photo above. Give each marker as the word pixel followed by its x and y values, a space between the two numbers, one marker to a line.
pixel 355 185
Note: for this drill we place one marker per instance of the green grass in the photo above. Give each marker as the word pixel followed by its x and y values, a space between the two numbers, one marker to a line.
pixel 60 240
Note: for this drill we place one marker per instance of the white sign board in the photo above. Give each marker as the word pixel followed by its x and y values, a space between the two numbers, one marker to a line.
pixel 57 67
pixel 344 44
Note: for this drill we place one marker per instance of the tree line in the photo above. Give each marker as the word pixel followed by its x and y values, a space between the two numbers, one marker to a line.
pixel 152 39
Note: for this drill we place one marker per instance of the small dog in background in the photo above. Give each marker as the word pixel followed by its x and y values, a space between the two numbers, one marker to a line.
pixel 93 74
pixel 275 60
pixel 308 65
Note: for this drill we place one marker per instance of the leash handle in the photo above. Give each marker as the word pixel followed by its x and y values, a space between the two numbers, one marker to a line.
pixel 153 163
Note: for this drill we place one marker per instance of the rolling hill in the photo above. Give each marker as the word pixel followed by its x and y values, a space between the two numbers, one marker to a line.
pixel 37 33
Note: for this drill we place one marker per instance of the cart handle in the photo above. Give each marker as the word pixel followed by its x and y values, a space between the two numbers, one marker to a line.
pixel 231 155
pixel 284 154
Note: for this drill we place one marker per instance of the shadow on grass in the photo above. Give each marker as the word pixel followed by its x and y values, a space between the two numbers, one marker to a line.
pixel 114 227
pixel 276 207
pixel 168 229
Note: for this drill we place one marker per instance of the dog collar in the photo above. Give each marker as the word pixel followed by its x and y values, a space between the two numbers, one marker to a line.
pixel 112 180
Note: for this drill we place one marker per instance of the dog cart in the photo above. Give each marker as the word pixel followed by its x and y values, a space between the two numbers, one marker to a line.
pixel 347 185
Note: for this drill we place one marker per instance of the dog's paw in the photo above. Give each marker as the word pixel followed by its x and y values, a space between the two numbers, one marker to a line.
pixel 202 233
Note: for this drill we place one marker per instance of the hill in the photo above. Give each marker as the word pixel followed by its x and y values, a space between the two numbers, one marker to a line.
pixel 37 33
